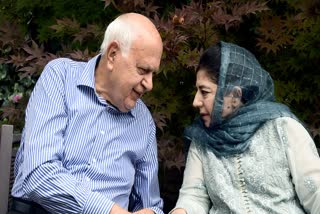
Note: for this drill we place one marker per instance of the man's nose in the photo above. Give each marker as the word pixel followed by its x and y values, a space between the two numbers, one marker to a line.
pixel 147 81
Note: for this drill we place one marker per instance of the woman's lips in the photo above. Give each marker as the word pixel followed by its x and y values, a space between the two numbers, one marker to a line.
pixel 204 116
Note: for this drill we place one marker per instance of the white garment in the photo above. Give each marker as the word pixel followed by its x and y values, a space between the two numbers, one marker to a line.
pixel 279 173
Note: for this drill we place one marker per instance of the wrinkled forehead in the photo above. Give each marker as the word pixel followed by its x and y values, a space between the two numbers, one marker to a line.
pixel 147 52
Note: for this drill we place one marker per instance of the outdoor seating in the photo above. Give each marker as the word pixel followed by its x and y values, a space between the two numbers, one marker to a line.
pixel 8 148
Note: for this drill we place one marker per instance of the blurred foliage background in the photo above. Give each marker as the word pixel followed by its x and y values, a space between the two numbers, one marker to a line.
pixel 283 34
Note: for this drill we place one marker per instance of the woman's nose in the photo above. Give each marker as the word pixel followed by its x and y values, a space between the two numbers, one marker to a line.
pixel 196 101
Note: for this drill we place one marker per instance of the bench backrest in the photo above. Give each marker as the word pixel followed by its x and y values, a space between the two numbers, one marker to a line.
pixel 7 157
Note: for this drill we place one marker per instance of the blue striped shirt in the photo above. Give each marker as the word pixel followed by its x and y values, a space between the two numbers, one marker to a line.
pixel 79 154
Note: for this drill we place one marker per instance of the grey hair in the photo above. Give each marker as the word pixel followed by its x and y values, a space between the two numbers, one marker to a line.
pixel 120 30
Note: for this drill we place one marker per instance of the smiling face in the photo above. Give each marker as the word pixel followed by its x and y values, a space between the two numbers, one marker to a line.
pixel 125 73
pixel 132 74
pixel 123 78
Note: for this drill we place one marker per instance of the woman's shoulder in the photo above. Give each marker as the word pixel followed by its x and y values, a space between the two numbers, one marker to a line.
pixel 289 123
pixel 291 130
pixel 285 122
pixel 282 129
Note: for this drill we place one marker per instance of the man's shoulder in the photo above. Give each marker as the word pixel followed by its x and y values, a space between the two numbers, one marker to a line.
pixel 65 62
pixel 64 67
pixel 141 109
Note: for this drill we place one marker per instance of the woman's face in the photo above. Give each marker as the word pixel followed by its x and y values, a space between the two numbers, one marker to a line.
pixel 204 98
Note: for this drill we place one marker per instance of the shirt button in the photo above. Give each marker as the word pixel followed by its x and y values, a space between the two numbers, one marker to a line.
pixel 94 160
pixel 102 132
pixel 87 179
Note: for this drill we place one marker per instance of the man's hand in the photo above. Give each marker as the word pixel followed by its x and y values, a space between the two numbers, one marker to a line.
pixel 116 209
pixel 144 211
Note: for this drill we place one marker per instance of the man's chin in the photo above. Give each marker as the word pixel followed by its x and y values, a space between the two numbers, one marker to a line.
pixel 129 106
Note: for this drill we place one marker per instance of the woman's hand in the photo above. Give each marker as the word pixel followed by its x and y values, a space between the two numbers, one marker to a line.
pixel 179 211
pixel 144 211
pixel 116 209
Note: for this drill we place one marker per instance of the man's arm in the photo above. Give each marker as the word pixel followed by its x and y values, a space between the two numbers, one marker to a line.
pixel 45 179
pixel 145 196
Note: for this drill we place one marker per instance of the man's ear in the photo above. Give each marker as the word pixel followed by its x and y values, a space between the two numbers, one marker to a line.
pixel 112 52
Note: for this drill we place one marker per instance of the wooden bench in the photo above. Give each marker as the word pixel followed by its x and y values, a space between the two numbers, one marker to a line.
pixel 8 149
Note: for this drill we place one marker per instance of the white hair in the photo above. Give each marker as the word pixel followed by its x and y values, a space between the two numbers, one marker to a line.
pixel 120 30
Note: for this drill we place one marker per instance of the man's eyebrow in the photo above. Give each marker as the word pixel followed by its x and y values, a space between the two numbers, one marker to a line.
pixel 148 68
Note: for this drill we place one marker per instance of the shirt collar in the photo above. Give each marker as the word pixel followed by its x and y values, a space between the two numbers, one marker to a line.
pixel 87 75
pixel 87 79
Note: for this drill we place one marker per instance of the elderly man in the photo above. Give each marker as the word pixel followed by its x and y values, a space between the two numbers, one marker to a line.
pixel 89 143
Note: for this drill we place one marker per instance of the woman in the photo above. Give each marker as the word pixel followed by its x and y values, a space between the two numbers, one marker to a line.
pixel 248 154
